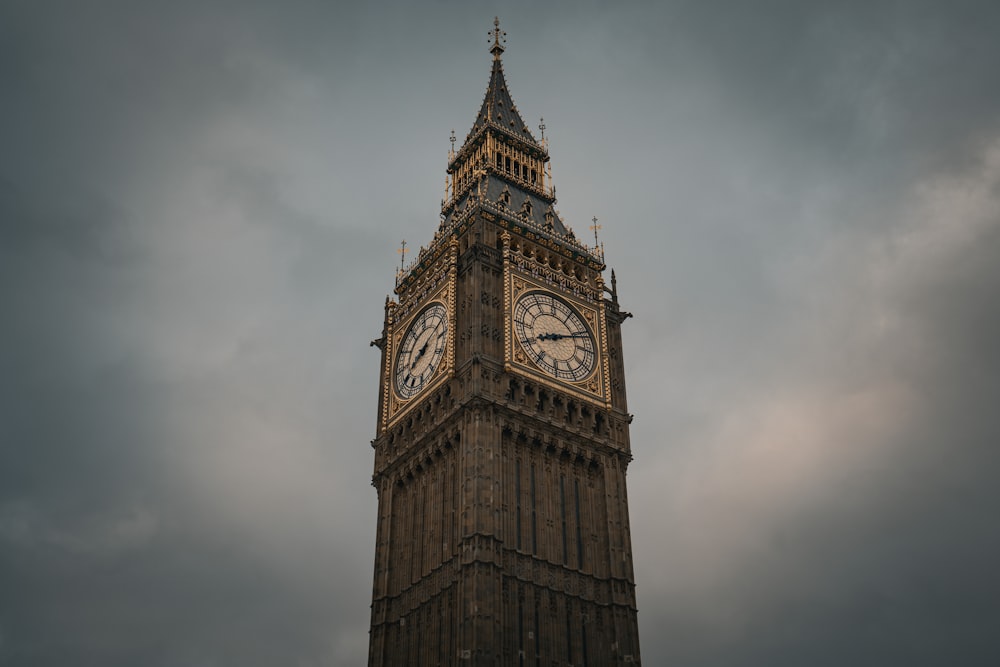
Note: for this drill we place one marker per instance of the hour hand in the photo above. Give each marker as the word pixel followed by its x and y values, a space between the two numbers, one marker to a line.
pixel 420 353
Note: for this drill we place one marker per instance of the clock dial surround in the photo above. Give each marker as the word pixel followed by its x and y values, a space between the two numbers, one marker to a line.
pixel 421 351
pixel 554 336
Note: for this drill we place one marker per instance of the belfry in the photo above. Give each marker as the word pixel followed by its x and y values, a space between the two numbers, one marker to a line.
pixel 502 440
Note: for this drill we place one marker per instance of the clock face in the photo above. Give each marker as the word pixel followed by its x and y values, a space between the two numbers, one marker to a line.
pixel 421 351
pixel 554 336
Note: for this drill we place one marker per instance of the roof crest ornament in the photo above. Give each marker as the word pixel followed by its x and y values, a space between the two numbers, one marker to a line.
pixel 402 260
pixel 498 37
pixel 595 227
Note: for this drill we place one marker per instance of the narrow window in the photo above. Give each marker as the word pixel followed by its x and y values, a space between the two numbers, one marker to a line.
pixel 439 619
pixel 517 495
pixel 420 494
pixel 537 637
pixel 520 630
pixel 562 507
pixel 506 162
pixel 579 531
pixel 444 513
pixel 451 504
pixel 420 641
pixel 534 517
pixel 598 423
pixel 452 615
pixel 569 635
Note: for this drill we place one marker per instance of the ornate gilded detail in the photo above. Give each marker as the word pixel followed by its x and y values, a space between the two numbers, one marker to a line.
pixel 553 270
pixel 544 236
pixel 415 288
pixel 602 316
pixel 593 388
pixel 452 309
pixel 438 287
pixel 389 355
pixel 505 242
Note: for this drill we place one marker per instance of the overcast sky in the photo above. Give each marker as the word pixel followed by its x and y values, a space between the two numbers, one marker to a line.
pixel 200 204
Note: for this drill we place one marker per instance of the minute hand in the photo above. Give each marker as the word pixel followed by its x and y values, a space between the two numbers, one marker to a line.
pixel 558 336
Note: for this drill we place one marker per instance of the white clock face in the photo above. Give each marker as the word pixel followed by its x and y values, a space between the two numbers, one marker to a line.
pixel 422 350
pixel 554 336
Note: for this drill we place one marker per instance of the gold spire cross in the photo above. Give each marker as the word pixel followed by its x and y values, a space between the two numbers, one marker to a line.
pixel 595 227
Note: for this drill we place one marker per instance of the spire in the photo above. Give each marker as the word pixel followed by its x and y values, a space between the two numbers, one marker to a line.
pixel 497 35
pixel 498 109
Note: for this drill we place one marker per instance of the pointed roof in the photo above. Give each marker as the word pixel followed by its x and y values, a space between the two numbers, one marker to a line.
pixel 498 109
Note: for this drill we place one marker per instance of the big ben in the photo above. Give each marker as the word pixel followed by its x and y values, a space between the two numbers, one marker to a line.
pixel 502 441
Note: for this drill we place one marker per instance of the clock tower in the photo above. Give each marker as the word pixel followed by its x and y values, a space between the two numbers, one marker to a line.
pixel 502 440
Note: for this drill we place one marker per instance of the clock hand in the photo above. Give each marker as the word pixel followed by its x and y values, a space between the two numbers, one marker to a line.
pixel 420 353
pixel 557 336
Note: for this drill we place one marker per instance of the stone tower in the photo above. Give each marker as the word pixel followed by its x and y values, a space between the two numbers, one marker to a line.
pixel 503 433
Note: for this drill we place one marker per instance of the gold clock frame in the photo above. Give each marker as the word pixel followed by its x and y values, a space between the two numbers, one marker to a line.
pixel 437 286
pixel 595 388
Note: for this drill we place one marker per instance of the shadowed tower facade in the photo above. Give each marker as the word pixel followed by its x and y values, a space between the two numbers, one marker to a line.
pixel 503 433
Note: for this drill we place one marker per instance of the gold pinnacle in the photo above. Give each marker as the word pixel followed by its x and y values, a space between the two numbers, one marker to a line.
pixel 594 227
pixel 497 35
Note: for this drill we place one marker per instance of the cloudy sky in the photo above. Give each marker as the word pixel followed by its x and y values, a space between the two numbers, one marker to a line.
pixel 199 208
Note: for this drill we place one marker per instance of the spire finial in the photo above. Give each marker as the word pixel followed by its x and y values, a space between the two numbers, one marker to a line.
pixel 498 37
pixel 595 227
pixel 402 256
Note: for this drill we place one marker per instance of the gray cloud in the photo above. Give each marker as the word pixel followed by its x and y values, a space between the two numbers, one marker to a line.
pixel 199 206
